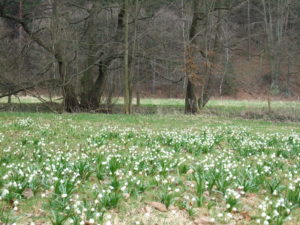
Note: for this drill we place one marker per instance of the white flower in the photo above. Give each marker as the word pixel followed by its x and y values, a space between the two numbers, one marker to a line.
pixel 229 215
pixel 64 195
pixel 5 192
pixel 123 188
pixel 91 221
pixel 100 196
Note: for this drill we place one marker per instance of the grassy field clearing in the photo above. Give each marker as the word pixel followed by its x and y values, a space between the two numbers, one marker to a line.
pixel 180 102
pixel 117 169
pixel 247 109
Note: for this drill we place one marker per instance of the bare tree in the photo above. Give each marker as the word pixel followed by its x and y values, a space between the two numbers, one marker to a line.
pixel 276 14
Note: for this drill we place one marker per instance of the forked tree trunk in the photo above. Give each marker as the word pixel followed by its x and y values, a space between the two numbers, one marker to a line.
pixel 91 91
pixel 199 80
pixel 70 100
pixel 97 90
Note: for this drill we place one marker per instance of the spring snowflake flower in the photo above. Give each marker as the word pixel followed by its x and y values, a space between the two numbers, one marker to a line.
pixel 64 195
pixel 4 192
pixel 123 188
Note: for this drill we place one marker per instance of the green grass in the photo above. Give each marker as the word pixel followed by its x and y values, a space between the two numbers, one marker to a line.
pixel 253 109
pixel 100 168
pixel 180 102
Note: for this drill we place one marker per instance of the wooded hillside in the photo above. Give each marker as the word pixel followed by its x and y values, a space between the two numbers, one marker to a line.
pixel 90 51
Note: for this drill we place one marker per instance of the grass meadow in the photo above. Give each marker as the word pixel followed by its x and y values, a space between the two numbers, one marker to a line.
pixel 247 109
pixel 83 169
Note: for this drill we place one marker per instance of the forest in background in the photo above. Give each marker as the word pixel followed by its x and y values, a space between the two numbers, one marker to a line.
pixel 88 52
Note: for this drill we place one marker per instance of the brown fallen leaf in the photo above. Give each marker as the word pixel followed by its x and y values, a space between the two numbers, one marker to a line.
pixel 172 207
pixel 28 193
pixel 246 216
pixel 204 221
pixel 159 206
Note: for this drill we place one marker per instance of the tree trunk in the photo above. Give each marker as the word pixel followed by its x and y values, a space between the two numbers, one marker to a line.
pixel 97 90
pixel 70 100
pixel 249 30
pixel 127 105
pixel 206 93
pixel 9 99
pixel 92 91
pixel 87 80
pixel 87 83
pixel 138 98
pixel 191 102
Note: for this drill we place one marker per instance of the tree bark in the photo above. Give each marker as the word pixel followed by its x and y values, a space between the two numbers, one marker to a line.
pixel 96 92
pixel 191 101
pixel 87 80
pixel 127 103
pixel 70 101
